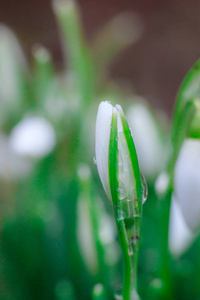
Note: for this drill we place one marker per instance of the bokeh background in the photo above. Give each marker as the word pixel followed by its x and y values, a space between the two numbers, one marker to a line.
pixel 155 65
pixel 50 204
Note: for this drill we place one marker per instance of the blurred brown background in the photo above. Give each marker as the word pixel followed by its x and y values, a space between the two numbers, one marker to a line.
pixel 155 65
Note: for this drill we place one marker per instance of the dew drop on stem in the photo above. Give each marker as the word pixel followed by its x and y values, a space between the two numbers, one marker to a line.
pixel 144 189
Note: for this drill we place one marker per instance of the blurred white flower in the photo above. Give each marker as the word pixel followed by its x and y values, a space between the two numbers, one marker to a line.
pixel 180 235
pixel 187 182
pixel 148 142
pixel 162 183
pixel 13 68
pixel 33 137
pixel 11 165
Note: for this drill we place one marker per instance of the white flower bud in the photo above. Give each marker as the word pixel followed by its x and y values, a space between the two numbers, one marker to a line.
pixel 187 182
pixel 129 184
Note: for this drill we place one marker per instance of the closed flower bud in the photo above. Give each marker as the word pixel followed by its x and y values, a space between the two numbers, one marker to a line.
pixel 187 184
pixel 117 162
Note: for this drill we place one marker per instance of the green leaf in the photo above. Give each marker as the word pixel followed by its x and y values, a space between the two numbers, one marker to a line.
pixel 80 58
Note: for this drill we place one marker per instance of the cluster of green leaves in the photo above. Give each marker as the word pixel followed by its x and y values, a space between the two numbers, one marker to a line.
pixel 57 234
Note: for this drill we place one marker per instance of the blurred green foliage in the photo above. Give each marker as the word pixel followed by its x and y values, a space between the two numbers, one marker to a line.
pixel 57 236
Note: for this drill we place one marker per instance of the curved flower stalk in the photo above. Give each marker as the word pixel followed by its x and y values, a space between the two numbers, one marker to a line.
pixel 186 113
pixel 119 172
pixel 188 91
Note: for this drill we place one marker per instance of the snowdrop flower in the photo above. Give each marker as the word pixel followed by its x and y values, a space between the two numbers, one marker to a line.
pixel 187 182
pixel 116 160
pixel 180 235
pixel 33 137
pixel 148 140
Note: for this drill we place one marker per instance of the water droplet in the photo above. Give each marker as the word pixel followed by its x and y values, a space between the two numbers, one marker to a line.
pixel 130 249
pixel 136 211
pixel 120 215
pixel 144 189
pixel 122 191
pixel 95 160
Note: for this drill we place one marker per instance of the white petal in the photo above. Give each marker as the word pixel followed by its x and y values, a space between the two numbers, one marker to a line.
pixel 33 136
pixel 103 124
pixel 187 182
pixel 180 236
pixel 147 141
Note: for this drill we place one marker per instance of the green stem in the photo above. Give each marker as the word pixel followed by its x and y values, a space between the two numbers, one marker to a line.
pixel 164 213
pixel 129 239
pixel 129 235
pixel 127 270
pixel 80 58
pixel 136 251
pixel 128 274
